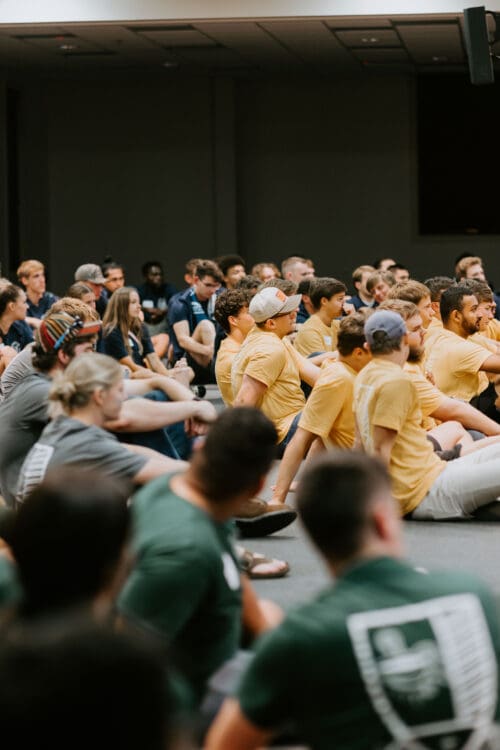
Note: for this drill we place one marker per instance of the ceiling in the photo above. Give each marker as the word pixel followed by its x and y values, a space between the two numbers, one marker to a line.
pixel 321 45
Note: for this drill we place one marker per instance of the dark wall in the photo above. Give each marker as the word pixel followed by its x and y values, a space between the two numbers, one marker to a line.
pixel 178 168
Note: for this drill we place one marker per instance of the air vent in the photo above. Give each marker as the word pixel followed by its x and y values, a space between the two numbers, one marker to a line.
pixel 170 27
pixel 54 37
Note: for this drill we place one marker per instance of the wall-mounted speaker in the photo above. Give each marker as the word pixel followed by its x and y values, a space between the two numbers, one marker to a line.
pixel 478 46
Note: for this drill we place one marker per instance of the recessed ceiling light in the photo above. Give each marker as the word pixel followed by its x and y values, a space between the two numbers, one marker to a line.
pixel 170 64
pixel 439 58
pixel 369 39
pixel 67 47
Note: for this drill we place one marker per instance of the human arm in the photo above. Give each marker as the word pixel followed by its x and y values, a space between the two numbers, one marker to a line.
pixel 188 343
pixel 7 354
pixel 290 463
pixel 137 371
pixel 143 415
pixel 157 466
pixel 156 364
pixel 257 615
pixel 491 364
pixel 308 371
pixel 320 358
pixel 471 418
pixel 33 322
pixel 172 388
pixel 251 392
pixel 231 730
pixel 383 441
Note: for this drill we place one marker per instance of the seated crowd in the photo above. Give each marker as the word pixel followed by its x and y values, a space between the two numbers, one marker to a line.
pixel 123 489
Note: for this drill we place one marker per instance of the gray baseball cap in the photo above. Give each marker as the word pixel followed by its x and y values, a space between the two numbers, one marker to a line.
pixel 89 272
pixel 385 321
pixel 272 301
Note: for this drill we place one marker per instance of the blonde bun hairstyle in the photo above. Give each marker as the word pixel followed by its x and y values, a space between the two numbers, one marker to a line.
pixel 85 374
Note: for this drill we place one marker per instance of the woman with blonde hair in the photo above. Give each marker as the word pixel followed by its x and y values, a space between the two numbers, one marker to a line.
pixel 87 394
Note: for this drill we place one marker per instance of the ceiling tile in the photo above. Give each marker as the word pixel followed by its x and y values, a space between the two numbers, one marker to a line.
pixel 312 41
pixel 426 41
pixel 369 38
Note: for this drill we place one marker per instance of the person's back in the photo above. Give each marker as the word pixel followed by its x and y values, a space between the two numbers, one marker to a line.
pixel 385 396
pixel 183 556
pixel 374 633
pixel 387 656
pixel 266 358
pixel 186 581
pixel 23 415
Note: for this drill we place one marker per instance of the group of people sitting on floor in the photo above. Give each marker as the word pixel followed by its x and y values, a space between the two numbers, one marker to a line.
pixel 389 395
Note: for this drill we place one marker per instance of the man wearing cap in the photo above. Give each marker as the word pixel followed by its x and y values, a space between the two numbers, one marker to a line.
pixel 23 415
pixel 91 275
pixel 267 371
pixel 389 418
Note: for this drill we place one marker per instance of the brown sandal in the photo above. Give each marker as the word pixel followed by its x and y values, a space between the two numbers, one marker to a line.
pixel 270 567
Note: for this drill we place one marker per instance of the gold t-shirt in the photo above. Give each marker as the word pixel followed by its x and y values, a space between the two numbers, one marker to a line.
pixel 266 358
pixel 493 330
pixel 429 396
pixel 314 336
pixel 328 411
pixel 223 363
pixel 435 327
pixel 483 339
pixel 455 364
pixel 384 396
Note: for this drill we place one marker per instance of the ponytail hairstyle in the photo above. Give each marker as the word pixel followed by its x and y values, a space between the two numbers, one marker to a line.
pixel 8 293
pixel 116 316
pixel 74 387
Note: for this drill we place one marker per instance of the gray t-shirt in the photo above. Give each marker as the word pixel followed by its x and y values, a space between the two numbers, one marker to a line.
pixel 18 369
pixel 67 441
pixel 23 415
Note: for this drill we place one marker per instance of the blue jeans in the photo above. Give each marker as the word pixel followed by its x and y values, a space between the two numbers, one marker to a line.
pixel 171 441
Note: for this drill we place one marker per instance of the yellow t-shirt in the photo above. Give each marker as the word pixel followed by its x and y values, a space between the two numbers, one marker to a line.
pixel 384 396
pixel 314 336
pixel 435 327
pixel 455 364
pixel 483 339
pixel 266 358
pixel 223 363
pixel 328 411
pixel 429 396
pixel 493 329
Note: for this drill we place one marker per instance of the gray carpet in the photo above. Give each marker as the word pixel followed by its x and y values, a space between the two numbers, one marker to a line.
pixel 468 546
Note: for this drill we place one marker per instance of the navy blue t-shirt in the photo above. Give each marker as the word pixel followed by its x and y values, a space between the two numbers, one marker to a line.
pixel 185 306
pixel 155 297
pixel 114 346
pixel 18 336
pixel 44 305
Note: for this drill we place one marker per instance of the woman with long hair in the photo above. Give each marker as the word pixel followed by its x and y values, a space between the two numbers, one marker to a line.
pixel 83 398
pixel 126 337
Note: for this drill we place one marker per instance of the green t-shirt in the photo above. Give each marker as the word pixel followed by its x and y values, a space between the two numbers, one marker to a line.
pixel 186 581
pixel 10 589
pixel 385 655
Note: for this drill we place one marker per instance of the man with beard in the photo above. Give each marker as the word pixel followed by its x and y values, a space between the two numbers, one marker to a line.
pixel 460 367
pixel 452 414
